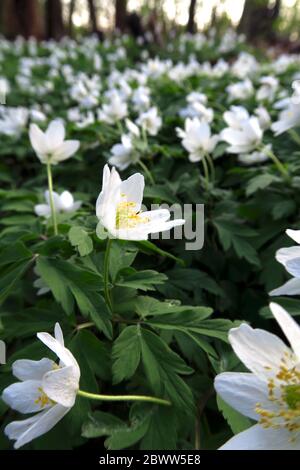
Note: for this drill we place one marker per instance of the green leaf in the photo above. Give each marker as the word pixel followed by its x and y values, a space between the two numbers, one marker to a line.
pixel 80 239
pixel 126 354
pixel 101 424
pixel 260 182
pixel 143 280
pixel 70 284
pixel 236 421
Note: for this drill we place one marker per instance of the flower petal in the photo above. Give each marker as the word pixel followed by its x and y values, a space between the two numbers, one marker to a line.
pixel 294 234
pixel 65 356
pixel 290 328
pixel 291 287
pixel 65 150
pixel 260 351
pixel 258 438
pixel 25 369
pixel 55 133
pixel 61 385
pixel 24 396
pixel 46 421
pixel 38 140
pixel 242 391
pixel 133 188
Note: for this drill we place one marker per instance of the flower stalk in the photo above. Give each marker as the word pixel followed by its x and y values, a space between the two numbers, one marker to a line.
pixel 94 396
pixel 106 275
pixel 51 200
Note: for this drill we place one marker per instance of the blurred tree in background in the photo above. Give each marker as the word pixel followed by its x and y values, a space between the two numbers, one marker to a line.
pixel 257 19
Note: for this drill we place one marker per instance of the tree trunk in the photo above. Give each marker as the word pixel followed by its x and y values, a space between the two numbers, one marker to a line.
pixel 93 16
pixel 22 17
pixel 191 26
pixel 120 15
pixel 54 19
pixel 71 11
pixel 258 19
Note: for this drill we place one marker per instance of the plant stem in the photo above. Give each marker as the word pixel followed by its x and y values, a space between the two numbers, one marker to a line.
pixel 294 136
pixel 106 274
pixel 146 171
pixel 94 396
pixel 51 200
pixel 276 161
pixel 206 173
pixel 211 165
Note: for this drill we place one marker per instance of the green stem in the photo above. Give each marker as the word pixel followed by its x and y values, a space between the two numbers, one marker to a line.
pixel 146 171
pixel 106 274
pixel 50 187
pixel 211 165
pixel 276 161
pixel 206 173
pixel 294 136
pixel 94 396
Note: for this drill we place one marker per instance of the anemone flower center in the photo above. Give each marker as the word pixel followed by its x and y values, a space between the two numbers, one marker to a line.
pixel 43 399
pixel 127 217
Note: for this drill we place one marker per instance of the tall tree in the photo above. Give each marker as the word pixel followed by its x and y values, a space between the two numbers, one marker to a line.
pixel 120 14
pixel 93 16
pixel 54 19
pixel 191 25
pixel 258 18
pixel 22 17
pixel 71 11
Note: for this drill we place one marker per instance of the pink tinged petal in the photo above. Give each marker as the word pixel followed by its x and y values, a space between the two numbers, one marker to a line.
pixel 290 328
pixel 260 351
pixel 291 287
pixel 61 385
pixel 38 140
pixel 24 396
pixel 65 150
pixel 258 438
pixel 55 134
pixel 46 421
pixel 25 369
pixel 133 189
pixel 294 234
pixel 243 391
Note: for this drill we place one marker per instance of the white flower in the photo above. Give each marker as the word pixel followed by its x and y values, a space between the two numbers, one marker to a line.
pixel 264 118
pixel 45 388
pixel 240 90
pixel 51 145
pixel 244 139
pixel 63 202
pixel 122 155
pixel 150 121
pixel 269 86
pixel 197 139
pixel 118 208
pixel 13 120
pixel 270 394
pixel 141 98
pixel 114 111
pixel 288 118
pixel 254 157
pixel 235 116
pixel 290 259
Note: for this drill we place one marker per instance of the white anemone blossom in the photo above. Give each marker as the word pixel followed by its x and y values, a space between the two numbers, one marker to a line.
pixel 51 146
pixel 63 202
pixel 113 111
pixel 244 139
pixel 270 393
pixel 240 90
pixel 289 117
pixel 47 389
pixel 290 259
pixel 118 208
pixel 150 121
pixel 197 139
